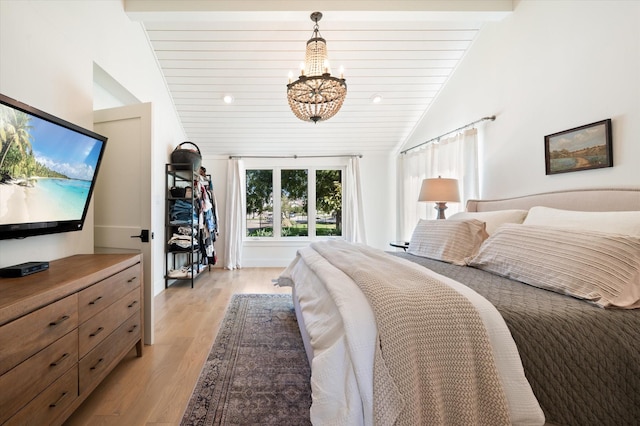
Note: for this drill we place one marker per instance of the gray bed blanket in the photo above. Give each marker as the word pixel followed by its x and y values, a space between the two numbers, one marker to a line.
pixel 583 362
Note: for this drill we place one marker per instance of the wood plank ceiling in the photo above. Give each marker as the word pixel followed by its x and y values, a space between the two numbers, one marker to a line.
pixel 403 51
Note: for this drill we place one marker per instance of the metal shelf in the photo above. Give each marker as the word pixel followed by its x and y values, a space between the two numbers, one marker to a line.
pixel 178 175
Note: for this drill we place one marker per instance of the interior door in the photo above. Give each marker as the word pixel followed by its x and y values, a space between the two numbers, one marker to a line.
pixel 122 196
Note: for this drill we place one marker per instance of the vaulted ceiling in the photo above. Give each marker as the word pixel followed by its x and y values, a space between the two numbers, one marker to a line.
pixel 403 51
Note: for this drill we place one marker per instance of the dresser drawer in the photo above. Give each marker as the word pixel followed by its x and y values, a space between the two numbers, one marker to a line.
pixel 48 407
pixel 99 362
pixel 98 328
pixel 37 330
pixel 20 384
pixel 100 295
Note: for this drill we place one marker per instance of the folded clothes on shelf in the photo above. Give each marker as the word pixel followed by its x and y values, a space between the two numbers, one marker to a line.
pixel 183 212
pixel 187 230
pixel 182 242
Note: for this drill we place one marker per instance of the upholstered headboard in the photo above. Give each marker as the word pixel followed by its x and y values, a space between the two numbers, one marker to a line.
pixel 579 199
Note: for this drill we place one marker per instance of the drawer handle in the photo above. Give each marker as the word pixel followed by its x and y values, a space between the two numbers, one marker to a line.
pixel 62 358
pixel 59 321
pixel 94 301
pixel 132 279
pixel 95 333
pixel 133 328
pixel 55 404
pixel 97 364
pixel 133 304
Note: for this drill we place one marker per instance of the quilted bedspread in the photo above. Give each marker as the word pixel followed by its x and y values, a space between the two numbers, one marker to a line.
pixel 583 362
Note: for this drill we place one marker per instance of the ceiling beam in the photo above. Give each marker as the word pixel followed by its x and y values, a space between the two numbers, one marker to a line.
pixel 295 10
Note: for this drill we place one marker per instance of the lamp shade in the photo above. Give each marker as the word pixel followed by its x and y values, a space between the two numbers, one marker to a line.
pixel 439 190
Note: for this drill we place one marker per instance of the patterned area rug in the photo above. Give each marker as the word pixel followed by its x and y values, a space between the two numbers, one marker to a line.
pixel 257 372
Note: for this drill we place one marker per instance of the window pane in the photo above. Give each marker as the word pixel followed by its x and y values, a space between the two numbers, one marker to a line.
pixel 294 203
pixel 260 203
pixel 329 202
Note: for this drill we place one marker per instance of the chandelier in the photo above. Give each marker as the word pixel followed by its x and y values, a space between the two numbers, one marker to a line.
pixel 316 95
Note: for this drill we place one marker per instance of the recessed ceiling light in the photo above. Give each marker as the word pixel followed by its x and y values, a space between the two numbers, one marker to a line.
pixel 227 99
pixel 376 99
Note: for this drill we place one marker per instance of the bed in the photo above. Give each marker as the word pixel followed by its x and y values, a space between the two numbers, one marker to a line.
pixel 552 358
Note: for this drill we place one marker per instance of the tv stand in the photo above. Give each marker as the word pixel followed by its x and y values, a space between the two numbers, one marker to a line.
pixel 63 331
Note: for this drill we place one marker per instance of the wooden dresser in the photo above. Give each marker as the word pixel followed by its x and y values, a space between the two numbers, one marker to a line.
pixel 63 330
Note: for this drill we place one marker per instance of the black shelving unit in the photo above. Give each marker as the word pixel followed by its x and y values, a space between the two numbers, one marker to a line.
pixel 181 264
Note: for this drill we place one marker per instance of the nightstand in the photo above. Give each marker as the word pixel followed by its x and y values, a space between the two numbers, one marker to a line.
pixel 400 244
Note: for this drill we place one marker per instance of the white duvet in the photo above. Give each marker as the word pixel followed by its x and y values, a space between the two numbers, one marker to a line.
pixel 342 337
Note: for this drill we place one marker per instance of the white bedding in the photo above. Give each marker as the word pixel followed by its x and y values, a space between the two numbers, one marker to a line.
pixel 343 335
pixel 341 386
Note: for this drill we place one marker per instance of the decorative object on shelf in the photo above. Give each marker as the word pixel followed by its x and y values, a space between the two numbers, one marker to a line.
pixel 186 158
pixel 581 148
pixel 316 95
pixel 440 190
pixel 178 191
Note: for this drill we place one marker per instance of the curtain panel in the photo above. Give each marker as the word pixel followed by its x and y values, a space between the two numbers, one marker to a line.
pixel 354 218
pixel 234 214
pixel 454 157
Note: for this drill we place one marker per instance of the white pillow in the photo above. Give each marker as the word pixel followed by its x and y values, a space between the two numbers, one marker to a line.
pixel 624 222
pixel 451 241
pixel 493 219
pixel 602 268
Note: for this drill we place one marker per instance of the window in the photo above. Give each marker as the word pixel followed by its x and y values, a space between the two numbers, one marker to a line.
pixel 309 203
pixel 329 202
pixel 294 203
pixel 259 203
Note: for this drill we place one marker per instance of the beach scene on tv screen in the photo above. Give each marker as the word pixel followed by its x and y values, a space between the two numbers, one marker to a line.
pixel 46 170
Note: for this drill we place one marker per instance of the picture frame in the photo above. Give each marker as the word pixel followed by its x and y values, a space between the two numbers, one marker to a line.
pixel 581 148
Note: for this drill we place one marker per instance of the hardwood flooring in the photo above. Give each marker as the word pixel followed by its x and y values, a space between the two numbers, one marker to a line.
pixel 155 389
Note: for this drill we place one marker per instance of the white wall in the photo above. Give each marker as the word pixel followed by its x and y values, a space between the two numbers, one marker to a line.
pixel 47 54
pixel 548 67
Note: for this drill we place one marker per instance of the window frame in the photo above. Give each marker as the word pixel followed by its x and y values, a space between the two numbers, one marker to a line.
pixel 311 203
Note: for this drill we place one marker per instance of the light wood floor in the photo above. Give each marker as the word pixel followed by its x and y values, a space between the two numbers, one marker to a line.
pixel 155 389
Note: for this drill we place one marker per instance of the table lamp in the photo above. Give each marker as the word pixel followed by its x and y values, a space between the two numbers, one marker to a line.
pixel 440 190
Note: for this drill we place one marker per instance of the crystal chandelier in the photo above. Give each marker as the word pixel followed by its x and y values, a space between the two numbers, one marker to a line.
pixel 316 95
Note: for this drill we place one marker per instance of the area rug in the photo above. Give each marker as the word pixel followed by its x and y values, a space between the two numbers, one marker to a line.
pixel 257 372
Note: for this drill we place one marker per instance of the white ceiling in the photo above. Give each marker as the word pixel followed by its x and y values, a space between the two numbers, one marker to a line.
pixel 402 50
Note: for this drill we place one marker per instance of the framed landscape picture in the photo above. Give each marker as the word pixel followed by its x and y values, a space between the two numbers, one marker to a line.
pixel 581 148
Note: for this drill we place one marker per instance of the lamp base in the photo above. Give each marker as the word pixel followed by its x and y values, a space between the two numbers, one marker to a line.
pixel 441 207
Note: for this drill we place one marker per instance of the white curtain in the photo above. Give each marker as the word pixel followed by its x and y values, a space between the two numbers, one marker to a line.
pixel 234 216
pixel 454 157
pixel 353 215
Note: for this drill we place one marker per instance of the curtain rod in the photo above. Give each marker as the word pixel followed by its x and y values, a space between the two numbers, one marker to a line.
pixel 493 117
pixel 239 157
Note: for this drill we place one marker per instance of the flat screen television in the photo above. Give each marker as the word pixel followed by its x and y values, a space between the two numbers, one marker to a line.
pixel 48 169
